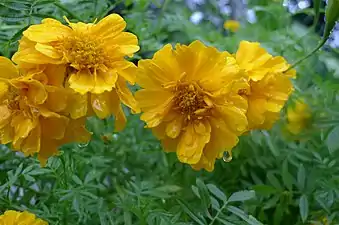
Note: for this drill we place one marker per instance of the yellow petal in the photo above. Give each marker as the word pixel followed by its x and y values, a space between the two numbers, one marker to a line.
pixel 77 105
pixel 8 70
pixel 6 134
pixel 222 139
pixel 48 50
pixel 32 56
pixel 34 90
pixel 169 144
pixel 126 69
pixel 57 98
pixel 22 126
pixel 82 81
pixel 192 143
pixel 3 90
pixel 31 144
pixel 48 148
pixel 109 27
pixel 5 114
pixel 120 118
pixel 55 74
pixel 155 116
pixel 127 43
pixel 173 128
pixel 126 96
pixel 234 117
pixel 101 104
pixel 146 100
pixel 47 32
pixel 104 81
pixel 53 128
pixel 76 132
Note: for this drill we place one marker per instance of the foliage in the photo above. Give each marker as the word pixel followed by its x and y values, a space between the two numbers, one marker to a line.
pixel 125 178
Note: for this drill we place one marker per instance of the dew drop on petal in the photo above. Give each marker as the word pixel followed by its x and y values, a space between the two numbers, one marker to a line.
pixel 227 157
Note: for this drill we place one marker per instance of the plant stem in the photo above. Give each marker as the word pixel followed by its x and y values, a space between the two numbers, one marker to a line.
pixel 63 8
pixel 217 215
pixel 308 55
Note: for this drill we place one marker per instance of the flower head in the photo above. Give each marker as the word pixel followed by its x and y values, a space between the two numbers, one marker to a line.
pixel 269 85
pixel 11 217
pixel 87 58
pixel 32 115
pixel 190 100
pixel 232 25
pixel 298 116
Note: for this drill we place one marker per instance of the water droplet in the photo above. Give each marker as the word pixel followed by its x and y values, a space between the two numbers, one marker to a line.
pixel 83 145
pixel 227 157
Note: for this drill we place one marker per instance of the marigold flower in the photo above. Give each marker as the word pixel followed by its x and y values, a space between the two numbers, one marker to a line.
pixel 32 115
pixel 232 25
pixel 270 86
pixel 190 100
pixel 11 217
pixel 298 116
pixel 88 58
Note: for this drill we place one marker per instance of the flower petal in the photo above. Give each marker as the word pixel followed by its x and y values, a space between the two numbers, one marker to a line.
pixel 109 27
pixel 82 81
pixel 8 69
pixel 192 143
pixel 126 96
pixel 50 30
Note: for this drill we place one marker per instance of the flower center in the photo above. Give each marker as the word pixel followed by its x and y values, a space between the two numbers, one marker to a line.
pixel 189 99
pixel 243 92
pixel 84 52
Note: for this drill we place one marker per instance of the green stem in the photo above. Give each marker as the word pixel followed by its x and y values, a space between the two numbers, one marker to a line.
pixel 218 213
pixel 63 8
pixel 308 55
pixel 163 8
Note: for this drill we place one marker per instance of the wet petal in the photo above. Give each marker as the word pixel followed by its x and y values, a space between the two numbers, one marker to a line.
pixel 191 145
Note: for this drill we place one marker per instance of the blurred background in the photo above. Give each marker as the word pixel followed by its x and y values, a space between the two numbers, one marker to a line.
pixel 275 177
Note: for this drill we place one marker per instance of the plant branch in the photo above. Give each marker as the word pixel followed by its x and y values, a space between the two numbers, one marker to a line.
pixel 63 8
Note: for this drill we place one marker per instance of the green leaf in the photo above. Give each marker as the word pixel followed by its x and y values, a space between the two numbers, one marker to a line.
pixel 301 177
pixel 286 176
pixel 274 181
pixel 127 218
pixel 169 188
pixel 217 192
pixel 76 179
pixel 303 207
pixel 241 196
pixel 264 189
pixel 332 16
pixel 278 215
pixel 204 194
pixel 191 213
pixel 332 140
pixel 248 218
pixel 316 6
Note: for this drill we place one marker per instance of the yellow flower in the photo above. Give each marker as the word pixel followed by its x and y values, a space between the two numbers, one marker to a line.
pixel 32 115
pixel 11 217
pixel 270 85
pixel 232 25
pixel 298 116
pixel 87 58
pixel 190 100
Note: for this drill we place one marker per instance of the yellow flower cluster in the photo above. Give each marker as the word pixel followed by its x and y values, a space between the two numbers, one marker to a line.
pixel 196 99
pixel 62 75
pixel 232 25
pixel 11 217
pixel 298 116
